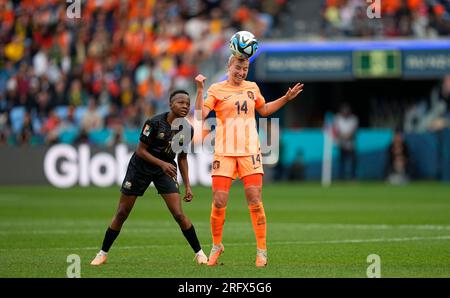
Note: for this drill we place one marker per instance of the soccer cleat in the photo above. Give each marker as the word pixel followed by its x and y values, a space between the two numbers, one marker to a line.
pixel 99 259
pixel 215 253
pixel 201 258
pixel 261 257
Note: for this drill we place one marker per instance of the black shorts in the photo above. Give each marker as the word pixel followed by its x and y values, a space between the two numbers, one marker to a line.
pixel 136 182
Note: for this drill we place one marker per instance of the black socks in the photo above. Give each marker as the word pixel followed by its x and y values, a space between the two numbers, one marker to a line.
pixel 191 237
pixel 110 236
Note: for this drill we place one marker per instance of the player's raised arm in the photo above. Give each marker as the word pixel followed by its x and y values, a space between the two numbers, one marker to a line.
pixel 200 82
pixel 271 107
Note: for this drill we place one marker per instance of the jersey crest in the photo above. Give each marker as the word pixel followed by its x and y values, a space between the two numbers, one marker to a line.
pixel 251 95
pixel 147 130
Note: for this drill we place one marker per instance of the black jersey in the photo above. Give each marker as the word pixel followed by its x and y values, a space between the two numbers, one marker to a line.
pixel 159 136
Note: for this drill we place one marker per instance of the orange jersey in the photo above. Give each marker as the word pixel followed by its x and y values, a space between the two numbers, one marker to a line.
pixel 236 133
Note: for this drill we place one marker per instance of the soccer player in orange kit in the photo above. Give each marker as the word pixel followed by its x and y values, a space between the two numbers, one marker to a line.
pixel 235 101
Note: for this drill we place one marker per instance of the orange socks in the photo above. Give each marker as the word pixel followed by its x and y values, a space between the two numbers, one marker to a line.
pixel 217 221
pixel 258 220
pixel 259 224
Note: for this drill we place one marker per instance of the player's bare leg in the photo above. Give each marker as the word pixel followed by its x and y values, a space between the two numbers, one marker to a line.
pixel 126 204
pixel 173 202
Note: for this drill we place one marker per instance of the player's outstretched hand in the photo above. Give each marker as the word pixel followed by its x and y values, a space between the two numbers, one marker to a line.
pixel 189 195
pixel 294 91
pixel 169 169
pixel 200 81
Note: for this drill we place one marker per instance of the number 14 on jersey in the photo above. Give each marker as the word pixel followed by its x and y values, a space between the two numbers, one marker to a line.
pixel 242 107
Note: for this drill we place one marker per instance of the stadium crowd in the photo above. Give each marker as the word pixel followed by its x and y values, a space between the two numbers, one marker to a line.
pixel 62 78
pixel 71 79
pixel 398 18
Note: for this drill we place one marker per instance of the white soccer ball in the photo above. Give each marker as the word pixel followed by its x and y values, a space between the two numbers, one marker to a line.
pixel 243 44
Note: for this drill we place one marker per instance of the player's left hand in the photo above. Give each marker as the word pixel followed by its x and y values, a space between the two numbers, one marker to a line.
pixel 294 91
pixel 189 195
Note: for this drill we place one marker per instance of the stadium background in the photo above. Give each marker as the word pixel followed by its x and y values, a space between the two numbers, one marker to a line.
pixel 74 93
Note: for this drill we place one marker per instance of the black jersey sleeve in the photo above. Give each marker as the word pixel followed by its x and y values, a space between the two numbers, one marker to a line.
pixel 147 132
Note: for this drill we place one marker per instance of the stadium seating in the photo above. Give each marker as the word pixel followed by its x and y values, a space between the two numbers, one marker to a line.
pixel 68 136
pixel 61 112
pixel 17 116
pixel 100 136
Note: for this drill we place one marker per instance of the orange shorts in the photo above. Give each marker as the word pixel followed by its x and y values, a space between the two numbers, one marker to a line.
pixel 237 166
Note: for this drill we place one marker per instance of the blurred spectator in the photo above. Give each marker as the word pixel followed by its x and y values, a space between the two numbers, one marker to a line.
pixel 14 50
pixel 105 97
pixel 68 123
pixel 50 128
pixel 114 117
pixel 59 93
pixel 4 125
pixel 150 88
pixel 26 133
pixel 12 94
pixel 345 127
pixel 40 62
pixel 91 119
pixel 398 166
pixel 116 137
pixel 43 105
pixel 127 95
pixel 133 117
pixel 77 95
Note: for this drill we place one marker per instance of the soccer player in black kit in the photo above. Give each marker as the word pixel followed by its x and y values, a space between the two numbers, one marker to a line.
pixel 154 162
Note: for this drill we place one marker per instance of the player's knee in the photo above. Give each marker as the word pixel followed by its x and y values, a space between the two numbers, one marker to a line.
pixel 220 199
pixel 179 217
pixel 122 214
pixel 253 195
pixel 253 201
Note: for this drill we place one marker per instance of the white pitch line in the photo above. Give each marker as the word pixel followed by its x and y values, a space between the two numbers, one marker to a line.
pixel 160 227
pixel 84 231
pixel 344 241
pixel 414 238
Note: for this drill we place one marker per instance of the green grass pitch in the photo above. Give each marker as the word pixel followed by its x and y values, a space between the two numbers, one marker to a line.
pixel 312 232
